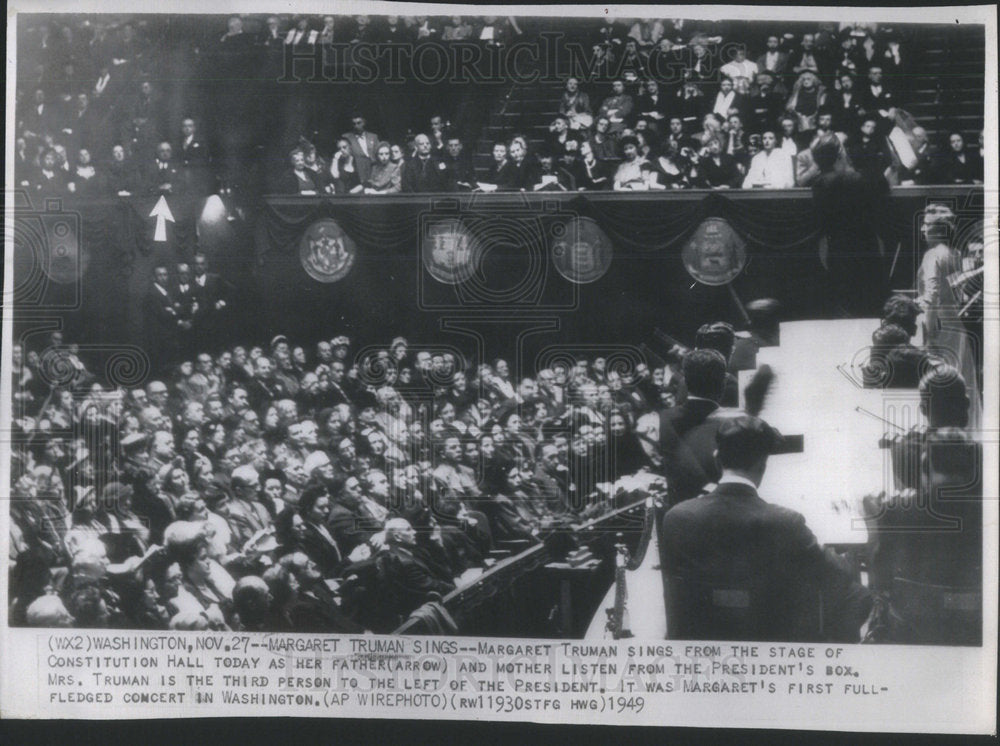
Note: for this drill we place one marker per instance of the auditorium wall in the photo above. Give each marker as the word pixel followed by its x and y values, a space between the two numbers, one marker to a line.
pixel 638 282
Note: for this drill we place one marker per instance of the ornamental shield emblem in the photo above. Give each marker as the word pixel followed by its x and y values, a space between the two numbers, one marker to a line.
pixel 449 253
pixel 326 252
pixel 715 254
pixel 581 251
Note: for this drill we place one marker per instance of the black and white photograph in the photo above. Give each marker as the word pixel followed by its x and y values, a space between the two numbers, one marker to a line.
pixel 501 366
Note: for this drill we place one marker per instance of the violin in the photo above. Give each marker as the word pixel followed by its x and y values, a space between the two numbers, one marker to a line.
pixel 906 448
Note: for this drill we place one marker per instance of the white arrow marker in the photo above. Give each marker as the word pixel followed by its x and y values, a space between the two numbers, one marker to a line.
pixel 163 214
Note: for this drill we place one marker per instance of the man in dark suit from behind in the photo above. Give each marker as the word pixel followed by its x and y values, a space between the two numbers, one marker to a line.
pixel 687 431
pixel 735 542
pixel 721 337
pixel 893 362
pixel 848 206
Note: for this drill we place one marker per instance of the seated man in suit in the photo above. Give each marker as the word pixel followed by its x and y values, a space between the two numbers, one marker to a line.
pixel 575 105
pixel 944 403
pixel 876 98
pixel 353 518
pixel 243 511
pixel 162 176
pixel 652 104
pixel 763 565
pixel 457 491
pixel 773 60
pixel 424 172
pixel 459 173
pixel 926 548
pixel 315 608
pixel 617 107
pixel 407 575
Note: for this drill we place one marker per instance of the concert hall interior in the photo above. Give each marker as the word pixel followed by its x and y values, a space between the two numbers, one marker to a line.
pixel 660 328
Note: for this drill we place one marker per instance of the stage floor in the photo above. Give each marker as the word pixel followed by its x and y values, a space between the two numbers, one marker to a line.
pixel 817 393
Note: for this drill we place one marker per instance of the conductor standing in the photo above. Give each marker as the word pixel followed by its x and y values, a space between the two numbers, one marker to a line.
pixel 739 568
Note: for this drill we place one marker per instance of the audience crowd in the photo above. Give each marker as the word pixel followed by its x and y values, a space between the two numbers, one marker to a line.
pixel 745 111
pixel 336 491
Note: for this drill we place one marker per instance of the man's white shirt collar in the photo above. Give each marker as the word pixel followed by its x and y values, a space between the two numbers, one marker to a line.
pixel 735 479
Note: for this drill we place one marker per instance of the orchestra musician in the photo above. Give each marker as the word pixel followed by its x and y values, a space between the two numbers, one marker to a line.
pixel 944 403
pixel 925 539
